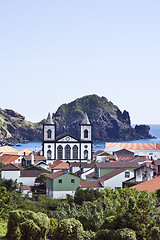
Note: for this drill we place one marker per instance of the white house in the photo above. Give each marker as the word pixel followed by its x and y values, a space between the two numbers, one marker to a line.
pixel 151 150
pixel 26 176
pixel 116 178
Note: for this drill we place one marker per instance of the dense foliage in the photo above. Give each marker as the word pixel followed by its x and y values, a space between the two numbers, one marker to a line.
pixel 119 214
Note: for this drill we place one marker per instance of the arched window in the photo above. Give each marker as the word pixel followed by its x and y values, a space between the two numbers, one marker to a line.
pixel 49 154
pixel 85 154
pixel 60 152
pixel 67 152
pixel 49 133
pixel 86 133
pixel 75 152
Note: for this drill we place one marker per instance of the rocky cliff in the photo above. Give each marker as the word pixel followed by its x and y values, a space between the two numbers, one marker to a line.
pixel 14 128
pixel 109 123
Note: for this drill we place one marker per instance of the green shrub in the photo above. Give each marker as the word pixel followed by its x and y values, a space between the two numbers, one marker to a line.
pixel 104 234
pixel 23 225
pixel 72 229
pixel 124 234
pixel 120 234
pixel 52 228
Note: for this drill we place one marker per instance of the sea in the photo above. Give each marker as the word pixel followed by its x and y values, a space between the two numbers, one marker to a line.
pixel 97 145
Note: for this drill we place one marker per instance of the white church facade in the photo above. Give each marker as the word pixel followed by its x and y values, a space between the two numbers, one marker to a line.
pixel 66 147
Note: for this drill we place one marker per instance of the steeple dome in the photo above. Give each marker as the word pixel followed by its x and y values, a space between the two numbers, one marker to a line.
pixel 49 119
pixel 85 119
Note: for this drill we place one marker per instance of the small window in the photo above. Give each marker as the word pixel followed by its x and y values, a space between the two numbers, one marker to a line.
pixel 49 146
pixel 127 174
pixel 72 180
pixel 49 133
pixel 60 181
pixel 86 133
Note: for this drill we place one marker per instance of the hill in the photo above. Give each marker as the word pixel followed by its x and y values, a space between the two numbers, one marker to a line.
pixel 14 128
pixel 109 123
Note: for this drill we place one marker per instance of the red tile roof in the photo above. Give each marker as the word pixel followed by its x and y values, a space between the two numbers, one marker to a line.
pixel 62 165
pixel 117 164
pixel 36 158
pixel 111 174
pixel 83 164
pixel 55 174
pixel 32 173
pixel 10 167
pixel 8 150
pixel 7 158
pixel 90 184
pixel 124 158
pixel 26 150
pixel 133 146
pixel 150 185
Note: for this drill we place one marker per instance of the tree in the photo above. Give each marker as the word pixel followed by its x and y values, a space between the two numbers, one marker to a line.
pixel 27 225
pixel 9 184
pixel 4 199
pixel 72 229
pixel 42 179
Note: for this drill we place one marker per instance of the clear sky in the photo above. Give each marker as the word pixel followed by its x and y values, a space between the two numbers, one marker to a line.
pixel 53 51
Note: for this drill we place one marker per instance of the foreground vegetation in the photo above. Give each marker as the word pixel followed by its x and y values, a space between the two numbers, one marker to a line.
pixel 122 214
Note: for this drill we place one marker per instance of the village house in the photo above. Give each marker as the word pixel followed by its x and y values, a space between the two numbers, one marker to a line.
pixel 26 176
pixel 58 165
pixel 151 150
pixel 59 184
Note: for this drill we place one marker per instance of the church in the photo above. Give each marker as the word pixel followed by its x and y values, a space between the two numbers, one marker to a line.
pixel 66 147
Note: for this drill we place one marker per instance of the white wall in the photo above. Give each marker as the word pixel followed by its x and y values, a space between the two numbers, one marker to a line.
pixel 30 181
pixel 83 175
pixel 59 194
pixel 10 175
pixel 116 181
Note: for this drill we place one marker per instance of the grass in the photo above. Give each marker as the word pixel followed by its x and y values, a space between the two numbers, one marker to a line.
pixel 3 229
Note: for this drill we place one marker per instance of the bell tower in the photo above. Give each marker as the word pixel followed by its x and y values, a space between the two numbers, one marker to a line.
pixel 49 137
pixel 86 138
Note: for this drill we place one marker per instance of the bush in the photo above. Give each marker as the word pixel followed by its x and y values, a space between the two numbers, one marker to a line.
pixel 120 234
pixel 52 228
pixel 125 234
pixel 27 225
pixel 72 229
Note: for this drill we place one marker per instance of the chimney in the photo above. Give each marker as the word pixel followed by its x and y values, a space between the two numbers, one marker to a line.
pixel 155 147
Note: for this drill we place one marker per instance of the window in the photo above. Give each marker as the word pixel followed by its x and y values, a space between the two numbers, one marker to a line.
pixel 127 174
pixel 67 152
pixel 85 154
pixel 60 152
pixel 86 133
pixel 49 146
pixel 60 181
pixel 72 180
pixel 49 154
pixel 49 133
pixel 75 152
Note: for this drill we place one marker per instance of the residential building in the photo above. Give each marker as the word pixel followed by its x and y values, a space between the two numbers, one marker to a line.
pixel 151 150
pixel 59 184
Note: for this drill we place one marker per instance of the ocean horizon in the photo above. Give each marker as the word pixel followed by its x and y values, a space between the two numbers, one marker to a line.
pixel 97 145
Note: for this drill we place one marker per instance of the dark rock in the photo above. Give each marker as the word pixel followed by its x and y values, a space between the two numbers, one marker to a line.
pixel 109 123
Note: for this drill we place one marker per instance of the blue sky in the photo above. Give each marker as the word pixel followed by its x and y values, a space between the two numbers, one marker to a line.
pixel 52 52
